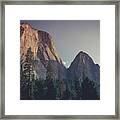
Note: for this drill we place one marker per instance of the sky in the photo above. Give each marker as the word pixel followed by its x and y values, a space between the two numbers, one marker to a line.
pixel 71 37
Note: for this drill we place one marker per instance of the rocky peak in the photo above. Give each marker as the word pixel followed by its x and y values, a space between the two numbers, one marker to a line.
pixel 84 67
pixel 83 64
pixel 81 59
pixel 84 57
pixel 40 42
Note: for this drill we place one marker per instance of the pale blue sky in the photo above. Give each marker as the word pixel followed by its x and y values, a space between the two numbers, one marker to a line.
pixel 72 36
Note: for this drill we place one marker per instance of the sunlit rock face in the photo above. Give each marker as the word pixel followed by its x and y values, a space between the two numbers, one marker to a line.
pixel 28 39
pixel 40 42
pixel 42 47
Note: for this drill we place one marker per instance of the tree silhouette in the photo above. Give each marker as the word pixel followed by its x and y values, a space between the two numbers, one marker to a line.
pixel 38 90
pixel 27 76
pixel 66 95
pixel 88 90
pixel 51 90
pixel 77 89
pixel 28 66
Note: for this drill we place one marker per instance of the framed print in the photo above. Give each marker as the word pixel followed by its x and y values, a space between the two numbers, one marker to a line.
pixel 60 60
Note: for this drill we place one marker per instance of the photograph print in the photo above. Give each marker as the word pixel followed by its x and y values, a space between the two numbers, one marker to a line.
pixel 59 60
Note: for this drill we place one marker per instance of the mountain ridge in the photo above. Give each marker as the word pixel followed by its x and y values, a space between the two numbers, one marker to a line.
pixel 40 64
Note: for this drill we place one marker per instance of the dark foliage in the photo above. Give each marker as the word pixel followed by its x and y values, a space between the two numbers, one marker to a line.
pixel 51 90
pixel 77 89
pixel 25 88
pixel 66 95
pixel 38 90
pixel 88 90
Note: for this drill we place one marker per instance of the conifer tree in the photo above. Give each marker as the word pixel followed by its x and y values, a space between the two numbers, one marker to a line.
pixel 27 76
pixel 88 90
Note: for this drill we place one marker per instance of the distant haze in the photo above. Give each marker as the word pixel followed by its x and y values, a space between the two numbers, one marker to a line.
pixel 72 36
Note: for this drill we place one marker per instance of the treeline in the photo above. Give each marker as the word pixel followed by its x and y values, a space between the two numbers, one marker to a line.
pixel 32 88
pixel 47 90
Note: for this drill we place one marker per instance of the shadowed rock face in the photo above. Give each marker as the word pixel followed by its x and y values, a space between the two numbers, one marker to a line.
pixel 39 61
pixel 83 66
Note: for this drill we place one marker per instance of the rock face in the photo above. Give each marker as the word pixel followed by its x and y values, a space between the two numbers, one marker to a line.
pixel 40 42
pixel 42 47
pixel 43 75
pixel 82 67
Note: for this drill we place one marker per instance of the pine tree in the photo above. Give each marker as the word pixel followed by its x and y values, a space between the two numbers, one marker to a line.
pixel 28 68
pixel 38 90
pixel 88 90
pixel 77 89
pixel 49 83
pixel 27 76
